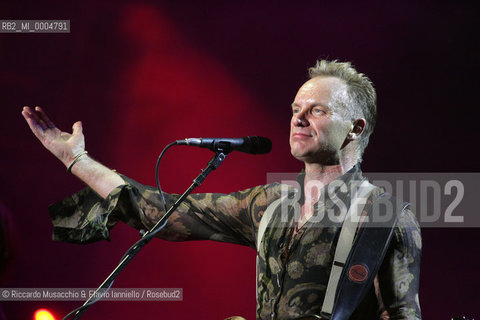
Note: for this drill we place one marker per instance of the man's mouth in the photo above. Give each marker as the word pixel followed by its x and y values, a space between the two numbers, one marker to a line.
pixel 301 135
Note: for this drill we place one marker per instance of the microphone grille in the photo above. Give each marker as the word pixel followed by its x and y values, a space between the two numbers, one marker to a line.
pixel 260 145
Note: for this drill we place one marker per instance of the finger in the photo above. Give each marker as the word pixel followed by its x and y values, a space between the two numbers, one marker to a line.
pixel 31 118
pixel 27 109
pixel 34 116
pixel 42 115
pixel 27 112
pixel 77 128
pixel 36 129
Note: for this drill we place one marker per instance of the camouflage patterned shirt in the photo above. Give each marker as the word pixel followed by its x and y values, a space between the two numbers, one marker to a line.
pixel 294 267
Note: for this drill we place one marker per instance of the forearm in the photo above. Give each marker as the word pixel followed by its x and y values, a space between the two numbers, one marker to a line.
pixel 98 177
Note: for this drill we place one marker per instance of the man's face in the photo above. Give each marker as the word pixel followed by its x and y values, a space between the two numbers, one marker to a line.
pixel 317 129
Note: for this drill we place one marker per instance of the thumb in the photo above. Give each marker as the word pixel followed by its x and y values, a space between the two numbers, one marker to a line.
pixel 77 128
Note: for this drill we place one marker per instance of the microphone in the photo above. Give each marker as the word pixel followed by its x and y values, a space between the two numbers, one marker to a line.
pixel 253 145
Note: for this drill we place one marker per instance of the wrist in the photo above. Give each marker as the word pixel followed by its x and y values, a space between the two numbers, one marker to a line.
pixel 77 158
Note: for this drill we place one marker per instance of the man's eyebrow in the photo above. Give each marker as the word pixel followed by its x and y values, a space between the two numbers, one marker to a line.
pixel 294 104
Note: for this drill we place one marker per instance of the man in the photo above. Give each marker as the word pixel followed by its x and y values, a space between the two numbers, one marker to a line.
pixel 333 115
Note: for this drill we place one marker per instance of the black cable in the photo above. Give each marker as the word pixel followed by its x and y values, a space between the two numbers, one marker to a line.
pixel 157 180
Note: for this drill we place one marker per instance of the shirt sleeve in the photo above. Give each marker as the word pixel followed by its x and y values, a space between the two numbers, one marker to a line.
pixel 400 273
pixel 85 217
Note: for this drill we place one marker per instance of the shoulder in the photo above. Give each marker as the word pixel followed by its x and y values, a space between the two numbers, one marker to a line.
pixel 407 234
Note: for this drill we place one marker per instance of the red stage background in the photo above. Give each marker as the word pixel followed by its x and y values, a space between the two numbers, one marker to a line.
pixel 142 74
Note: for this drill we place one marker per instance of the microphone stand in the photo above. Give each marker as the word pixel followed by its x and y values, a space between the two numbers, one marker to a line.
pixel 213 164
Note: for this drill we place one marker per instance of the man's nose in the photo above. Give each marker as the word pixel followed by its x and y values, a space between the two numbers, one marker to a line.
pixel 300 120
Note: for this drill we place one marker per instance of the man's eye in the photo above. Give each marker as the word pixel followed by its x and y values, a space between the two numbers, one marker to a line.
pixel 318 111
pixel 295 110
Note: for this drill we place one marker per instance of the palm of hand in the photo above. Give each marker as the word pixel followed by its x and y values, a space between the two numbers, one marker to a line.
pixel 62 144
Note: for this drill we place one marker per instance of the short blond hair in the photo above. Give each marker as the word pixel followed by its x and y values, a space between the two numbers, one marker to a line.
pixel 362 98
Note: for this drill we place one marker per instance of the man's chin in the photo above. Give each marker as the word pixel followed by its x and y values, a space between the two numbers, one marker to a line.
pixel 301 156
pixel 307 157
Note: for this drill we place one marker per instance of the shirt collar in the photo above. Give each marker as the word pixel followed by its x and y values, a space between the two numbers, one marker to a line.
pixel 352 176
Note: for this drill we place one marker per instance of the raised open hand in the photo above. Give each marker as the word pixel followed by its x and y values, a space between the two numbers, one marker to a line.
pixel 65 146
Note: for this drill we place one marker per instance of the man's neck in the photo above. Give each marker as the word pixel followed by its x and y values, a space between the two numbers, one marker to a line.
pixel 324 173
pixel 317 176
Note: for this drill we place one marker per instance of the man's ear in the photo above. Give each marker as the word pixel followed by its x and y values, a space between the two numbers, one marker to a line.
pixel 357 129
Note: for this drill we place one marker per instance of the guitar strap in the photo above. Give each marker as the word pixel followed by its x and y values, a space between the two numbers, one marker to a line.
pixel 366 255
pixel 267 216
pixel 345 243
